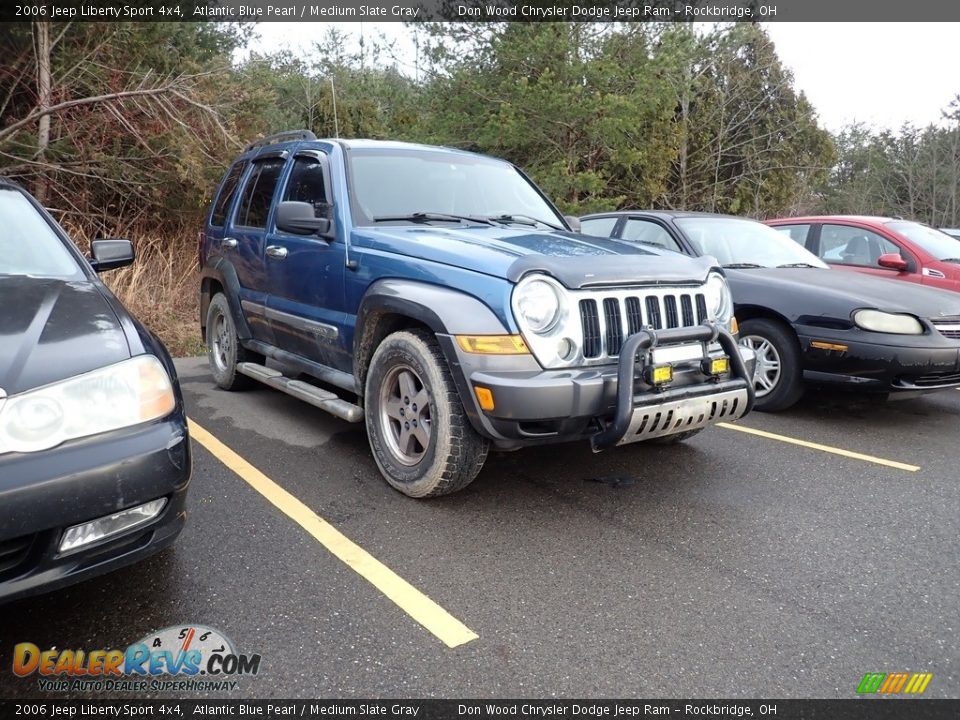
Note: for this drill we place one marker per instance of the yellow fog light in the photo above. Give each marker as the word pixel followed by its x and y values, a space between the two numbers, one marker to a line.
pixel 716 366
pixel 659 374
pixel 484 397
pixel 493 344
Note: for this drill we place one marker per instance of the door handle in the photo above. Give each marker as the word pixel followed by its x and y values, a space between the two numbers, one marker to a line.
pixel 229 242
pixel 277 252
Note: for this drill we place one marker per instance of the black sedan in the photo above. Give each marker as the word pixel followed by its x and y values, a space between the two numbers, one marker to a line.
pixel 94 453
pixel 805 322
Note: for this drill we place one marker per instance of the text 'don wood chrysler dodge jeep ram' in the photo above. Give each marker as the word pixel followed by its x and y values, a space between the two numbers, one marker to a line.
pixel 440 297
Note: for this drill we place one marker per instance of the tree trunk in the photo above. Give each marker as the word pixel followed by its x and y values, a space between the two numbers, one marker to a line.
pixel 41 38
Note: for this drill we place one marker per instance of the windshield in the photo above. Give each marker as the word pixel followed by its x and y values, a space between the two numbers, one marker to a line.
pixel 733 241
pixel 938 244
pixel 393 184
pixel 28 245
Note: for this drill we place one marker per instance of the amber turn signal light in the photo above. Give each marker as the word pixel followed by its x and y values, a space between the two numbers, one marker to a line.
pixel 493 344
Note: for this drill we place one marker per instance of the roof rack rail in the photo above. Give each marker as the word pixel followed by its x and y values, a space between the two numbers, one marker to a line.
pixel 281 137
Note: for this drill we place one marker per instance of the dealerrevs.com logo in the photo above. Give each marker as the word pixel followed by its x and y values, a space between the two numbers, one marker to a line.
pixel 180 658
pixel 894 683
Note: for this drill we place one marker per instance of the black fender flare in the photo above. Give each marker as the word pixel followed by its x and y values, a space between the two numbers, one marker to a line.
pixel 444 310
pixel 223 272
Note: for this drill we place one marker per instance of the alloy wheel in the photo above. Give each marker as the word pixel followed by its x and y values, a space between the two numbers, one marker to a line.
pixel 766 374
pixel 406 415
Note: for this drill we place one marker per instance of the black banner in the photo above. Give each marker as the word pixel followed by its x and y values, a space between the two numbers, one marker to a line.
pixel 854 709
pixel 478 10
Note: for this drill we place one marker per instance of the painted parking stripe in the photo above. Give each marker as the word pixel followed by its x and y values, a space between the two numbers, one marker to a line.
pixel 425 611
pixel 822 448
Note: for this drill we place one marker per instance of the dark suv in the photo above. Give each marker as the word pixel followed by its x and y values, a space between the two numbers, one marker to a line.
pixel 440 296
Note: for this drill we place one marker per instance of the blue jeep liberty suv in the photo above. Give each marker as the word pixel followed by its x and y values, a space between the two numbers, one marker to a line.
pixel 441 297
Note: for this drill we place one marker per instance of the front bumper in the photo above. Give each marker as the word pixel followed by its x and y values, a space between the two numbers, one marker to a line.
pixel 876 367
pixel 42 494
pixel 535 406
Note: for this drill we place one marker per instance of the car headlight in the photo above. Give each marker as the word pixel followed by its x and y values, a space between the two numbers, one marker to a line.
pixel 719 300
pixel 128 393
pixel 537 304
pixel 896 323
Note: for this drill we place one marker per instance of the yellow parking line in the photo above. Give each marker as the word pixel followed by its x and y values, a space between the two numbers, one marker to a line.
pixel 425 611
pixel 822 448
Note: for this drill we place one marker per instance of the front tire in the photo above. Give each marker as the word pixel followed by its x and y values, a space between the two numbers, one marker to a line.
pixel 778 376
pixel 224 351
pixel 419 433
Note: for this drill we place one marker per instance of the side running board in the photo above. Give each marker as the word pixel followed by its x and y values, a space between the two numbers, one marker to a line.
pixel 317 397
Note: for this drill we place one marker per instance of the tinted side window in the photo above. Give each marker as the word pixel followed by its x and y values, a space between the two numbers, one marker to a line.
pixel 598 227
pixel 306 183
pixel 847 245
pixel 797 233
pixel 228 188
pixel 258 193
pixel 649 233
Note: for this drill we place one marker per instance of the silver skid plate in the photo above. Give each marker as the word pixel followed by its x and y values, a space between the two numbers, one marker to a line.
pixel 678 416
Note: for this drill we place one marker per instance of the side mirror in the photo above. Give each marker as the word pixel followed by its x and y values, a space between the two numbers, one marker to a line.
pixel 111 254
pixel 299 218
pixel 573 222
pixel 893 261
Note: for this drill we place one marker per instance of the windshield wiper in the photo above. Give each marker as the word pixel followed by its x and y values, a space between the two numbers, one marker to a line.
pixel 742 266
pixel 523 220
pixel 433 216
pixel 790 265
pixel 951 260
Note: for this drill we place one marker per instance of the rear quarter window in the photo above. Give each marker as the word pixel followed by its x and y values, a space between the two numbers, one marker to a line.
pixel 228 188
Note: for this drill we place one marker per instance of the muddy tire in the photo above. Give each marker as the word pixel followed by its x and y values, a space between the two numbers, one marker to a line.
pixel 419 433
pixel 224 351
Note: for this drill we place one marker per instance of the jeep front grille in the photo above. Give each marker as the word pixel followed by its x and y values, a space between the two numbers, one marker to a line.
pixel 608 320
pixel 948 327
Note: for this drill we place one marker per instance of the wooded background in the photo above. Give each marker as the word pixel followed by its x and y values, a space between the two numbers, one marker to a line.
pixel 124 129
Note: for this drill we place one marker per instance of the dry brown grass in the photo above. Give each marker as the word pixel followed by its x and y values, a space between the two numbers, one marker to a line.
pixel 161 287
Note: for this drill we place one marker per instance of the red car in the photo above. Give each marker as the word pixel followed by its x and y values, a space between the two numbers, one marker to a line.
pixel 885 247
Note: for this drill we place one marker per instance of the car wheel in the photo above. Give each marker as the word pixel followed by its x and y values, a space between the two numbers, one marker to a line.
pixel 778 376
pixel 419 433
pixel 224 350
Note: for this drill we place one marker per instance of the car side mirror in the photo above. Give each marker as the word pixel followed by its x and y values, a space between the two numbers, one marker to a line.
pixel 893 261
pixel 111 254
pixel 300 218
pixel 573 222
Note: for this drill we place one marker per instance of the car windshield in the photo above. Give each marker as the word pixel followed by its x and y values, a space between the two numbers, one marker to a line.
pixel 28 245
pixel 733 241
pixel 938 244
pixel 391 186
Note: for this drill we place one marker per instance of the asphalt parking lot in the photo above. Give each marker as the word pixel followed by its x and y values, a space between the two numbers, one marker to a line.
pixel 735 565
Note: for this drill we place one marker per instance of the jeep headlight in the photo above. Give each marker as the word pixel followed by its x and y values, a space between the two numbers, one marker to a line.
pixel 131 392
pixel 541 307
pixel 537 303
pixel 895 323
pixel 719 300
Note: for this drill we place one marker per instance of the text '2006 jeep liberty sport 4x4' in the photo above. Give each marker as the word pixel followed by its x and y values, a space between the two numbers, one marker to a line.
pixel 441 297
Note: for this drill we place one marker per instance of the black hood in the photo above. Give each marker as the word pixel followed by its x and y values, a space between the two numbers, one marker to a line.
pixel 54 329
pixel 799 292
